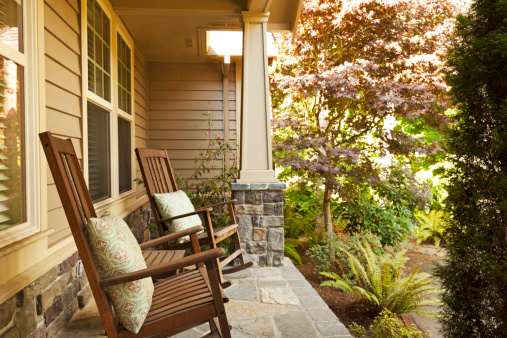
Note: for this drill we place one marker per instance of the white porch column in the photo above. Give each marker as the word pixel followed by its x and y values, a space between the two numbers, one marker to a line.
pixel 256 165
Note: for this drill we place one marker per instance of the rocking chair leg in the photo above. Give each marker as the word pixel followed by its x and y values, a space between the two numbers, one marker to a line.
pixel 213 326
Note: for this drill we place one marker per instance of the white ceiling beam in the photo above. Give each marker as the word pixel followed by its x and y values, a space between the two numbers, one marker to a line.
pixel 178 5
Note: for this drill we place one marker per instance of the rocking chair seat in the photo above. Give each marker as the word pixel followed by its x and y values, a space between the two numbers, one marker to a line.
pixel 157 257
pixel 221 232
pixel 176 297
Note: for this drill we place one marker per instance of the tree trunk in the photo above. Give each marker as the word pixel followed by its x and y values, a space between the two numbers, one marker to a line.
pixel 319 226
pixel 327 210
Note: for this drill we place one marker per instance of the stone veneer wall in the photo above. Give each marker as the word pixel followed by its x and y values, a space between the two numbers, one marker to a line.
pixel 45 306
pixel 259 214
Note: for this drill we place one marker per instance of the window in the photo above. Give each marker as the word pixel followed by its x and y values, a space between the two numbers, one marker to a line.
pixel 99 164
pixel 124 76
pixel 99 72
pixel 124 155
pixel 110 119
pixel 18 121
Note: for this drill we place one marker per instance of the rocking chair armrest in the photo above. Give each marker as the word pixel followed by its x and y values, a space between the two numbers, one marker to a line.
pixel 195 212
pixel 208 255
pixel 223 203
pixel 171 237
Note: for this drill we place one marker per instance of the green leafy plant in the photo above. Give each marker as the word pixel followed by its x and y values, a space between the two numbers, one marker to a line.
pixel 387 325
pixel 340 223
pixel 297 225
pixel 317 238
pixel 289 250
pixel 387 208
pixel 334 250
pixel 432 225
pixel 204 189
pixel 381 283
pixel 474 275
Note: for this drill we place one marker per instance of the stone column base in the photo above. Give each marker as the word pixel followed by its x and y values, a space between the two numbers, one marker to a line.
pixel 259 214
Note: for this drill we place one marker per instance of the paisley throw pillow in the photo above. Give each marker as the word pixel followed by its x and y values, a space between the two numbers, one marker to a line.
pixel 174 204
pixel 116 252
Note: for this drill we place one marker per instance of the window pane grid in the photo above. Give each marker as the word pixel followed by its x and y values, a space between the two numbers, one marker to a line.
pixel 99 72
pixel 124 76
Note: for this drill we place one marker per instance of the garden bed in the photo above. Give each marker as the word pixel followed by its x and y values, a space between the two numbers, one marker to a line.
pixel 343 305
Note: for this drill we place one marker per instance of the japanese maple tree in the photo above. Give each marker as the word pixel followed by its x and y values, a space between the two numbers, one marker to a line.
pixel 354 72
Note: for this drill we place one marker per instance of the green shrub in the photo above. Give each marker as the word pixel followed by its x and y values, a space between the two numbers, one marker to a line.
pixel 387 208
pixel 381 283
pixel 289 250
pixel 387 325
pixel 333 250
pixel 392 224
pixel 431 225
pixel 475 273
pixel 297 225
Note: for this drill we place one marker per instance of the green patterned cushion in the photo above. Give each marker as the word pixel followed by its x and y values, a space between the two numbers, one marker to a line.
pixel 174 204
pixel 115 252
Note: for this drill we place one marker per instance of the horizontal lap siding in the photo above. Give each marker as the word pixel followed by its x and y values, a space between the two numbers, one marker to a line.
pixel 180 95
pixel 140 110
pixel 63 94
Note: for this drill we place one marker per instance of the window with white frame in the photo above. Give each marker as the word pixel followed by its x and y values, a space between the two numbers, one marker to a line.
pixel 18 121
pixel 109 107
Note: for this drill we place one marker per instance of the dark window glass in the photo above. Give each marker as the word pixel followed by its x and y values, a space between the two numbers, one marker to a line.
pixel 99 166
pixel 124 155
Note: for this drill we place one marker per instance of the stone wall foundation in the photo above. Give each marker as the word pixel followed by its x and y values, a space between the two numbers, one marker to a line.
pixel 259 214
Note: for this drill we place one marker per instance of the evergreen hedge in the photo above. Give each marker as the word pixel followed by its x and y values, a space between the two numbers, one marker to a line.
pixel 475 274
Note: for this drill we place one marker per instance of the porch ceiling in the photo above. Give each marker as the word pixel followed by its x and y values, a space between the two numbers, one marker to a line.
pixel 174 30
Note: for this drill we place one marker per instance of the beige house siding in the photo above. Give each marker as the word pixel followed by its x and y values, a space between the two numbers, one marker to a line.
pixel 140 110
pixel 179 97
pixel 63 94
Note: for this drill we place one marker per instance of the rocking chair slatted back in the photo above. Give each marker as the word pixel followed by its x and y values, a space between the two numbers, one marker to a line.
pixel 78 207
pixel 157 162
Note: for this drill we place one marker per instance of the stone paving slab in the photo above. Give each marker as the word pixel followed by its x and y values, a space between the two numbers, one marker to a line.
pixel 264 302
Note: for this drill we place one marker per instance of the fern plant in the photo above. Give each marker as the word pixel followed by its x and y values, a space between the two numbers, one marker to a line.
pixel 381 283
pixel 432 226
pixel 295 224
pixel 289 250
pixel 387 325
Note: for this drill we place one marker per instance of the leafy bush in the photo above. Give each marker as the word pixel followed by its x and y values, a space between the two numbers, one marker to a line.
pixel 333 250
pixel 392 225
pixel 387 209
pixel 431 225
pixel 388 325
pixel 303 197
pixel 474 276
pixel 297 225
pixel 381 283
pixel 289 250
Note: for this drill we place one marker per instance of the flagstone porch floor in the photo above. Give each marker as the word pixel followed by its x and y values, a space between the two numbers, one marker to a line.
pixel 264 302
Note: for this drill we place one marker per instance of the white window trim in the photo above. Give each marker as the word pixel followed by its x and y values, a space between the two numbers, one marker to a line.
pixel 28 60
pixel 112 107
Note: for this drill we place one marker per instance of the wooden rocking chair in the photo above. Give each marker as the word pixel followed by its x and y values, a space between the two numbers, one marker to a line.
pixel 179 302
pixel 158 178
